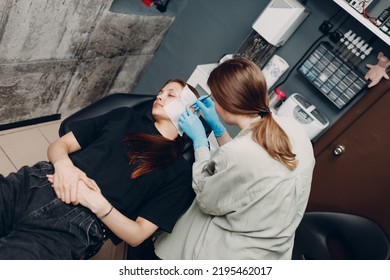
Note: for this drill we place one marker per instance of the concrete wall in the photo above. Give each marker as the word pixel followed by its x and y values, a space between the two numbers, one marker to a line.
pixel 58 56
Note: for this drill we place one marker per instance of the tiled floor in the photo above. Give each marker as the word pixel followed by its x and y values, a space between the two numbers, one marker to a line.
pixel 25 145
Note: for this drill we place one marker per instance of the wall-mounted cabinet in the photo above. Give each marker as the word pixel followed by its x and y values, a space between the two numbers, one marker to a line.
pixel 365 21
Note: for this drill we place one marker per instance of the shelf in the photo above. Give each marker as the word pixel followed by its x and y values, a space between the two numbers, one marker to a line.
pixel 358 16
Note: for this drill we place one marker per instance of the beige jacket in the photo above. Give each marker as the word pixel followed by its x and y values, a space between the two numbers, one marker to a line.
pixel 248 205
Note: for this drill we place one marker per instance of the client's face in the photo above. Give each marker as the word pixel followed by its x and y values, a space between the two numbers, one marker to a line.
pixel 167 94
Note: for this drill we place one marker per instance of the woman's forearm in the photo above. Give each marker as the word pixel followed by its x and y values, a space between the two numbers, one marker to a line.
pixel 132 232
pixel 224 138
pixel 60 149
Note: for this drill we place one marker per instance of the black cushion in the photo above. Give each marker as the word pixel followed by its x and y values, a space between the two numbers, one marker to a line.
pixel 331 235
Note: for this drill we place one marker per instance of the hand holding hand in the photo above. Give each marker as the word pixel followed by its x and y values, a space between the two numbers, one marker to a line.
pixel 193 127
pixel 378 71
pixel 90 198
pixel 65 181
pixel 207 106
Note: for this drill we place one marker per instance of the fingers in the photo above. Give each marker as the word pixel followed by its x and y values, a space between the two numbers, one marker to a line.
pixel 185 115
pixel 68 192
pixel 369 66
pixel 201 105
pixel 203 97
pixel 208 101
pixel 189 111
pixel 182 118
pixel 195 106
pixel 73 196
pixel 91 184
pixel 50 178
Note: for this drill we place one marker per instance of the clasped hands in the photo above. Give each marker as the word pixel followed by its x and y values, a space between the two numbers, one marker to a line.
pixel 192 125
pixel 72 185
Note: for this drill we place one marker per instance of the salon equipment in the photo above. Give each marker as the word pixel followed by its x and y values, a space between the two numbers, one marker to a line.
pixel 271 29
pixel 279 20
pixel 359 5
pixel 274 69
pixel 276 99
pixel 338 81
pixel 256 49
pixel 298 107
pixel 383 17
pixel 385 27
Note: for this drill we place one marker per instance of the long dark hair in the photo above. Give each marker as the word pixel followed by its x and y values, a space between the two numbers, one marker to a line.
pixel 239 87
pixel 150 152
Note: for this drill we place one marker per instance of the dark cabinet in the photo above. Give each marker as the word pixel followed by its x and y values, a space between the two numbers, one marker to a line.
pixel 352 172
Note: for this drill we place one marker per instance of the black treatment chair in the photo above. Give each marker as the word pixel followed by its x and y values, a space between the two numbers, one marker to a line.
pixel 140 102
pixel 143 104
pixel 335 236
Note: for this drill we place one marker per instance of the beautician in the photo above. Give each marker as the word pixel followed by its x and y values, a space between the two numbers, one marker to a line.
pixel 251 193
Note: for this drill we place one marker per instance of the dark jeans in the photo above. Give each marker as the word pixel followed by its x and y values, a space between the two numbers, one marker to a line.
pixel 34 224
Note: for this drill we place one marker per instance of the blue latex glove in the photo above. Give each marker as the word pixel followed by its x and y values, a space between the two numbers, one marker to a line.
pixel 207 106
pixel 193 127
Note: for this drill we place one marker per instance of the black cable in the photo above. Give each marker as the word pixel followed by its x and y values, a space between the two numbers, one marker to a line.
pixel 309 49
pixel 339 10
pixel 299 61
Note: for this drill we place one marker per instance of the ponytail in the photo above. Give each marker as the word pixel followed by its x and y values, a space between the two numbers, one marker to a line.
pixel 269 135
pixel 239 87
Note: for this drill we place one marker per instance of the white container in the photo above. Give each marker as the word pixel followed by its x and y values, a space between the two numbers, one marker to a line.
pixel 298 107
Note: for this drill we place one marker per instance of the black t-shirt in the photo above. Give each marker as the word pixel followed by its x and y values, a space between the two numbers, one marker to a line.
pixel 160 196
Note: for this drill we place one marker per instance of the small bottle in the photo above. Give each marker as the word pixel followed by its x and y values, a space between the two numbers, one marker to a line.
pixel 385 15
pixel 347 53
pixel 361 54
pixel 368 51
pixel 340 43
pixel 364 55
pixel 385 27
pixel 276 99
pixel 357 52
pixel 347 43
pixel 352 49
